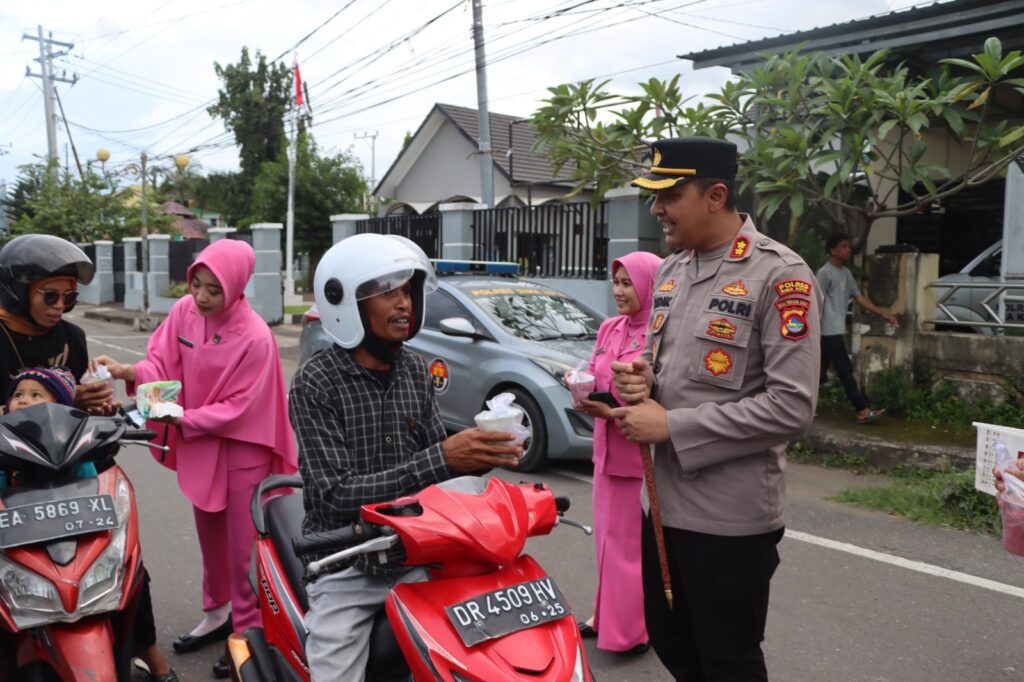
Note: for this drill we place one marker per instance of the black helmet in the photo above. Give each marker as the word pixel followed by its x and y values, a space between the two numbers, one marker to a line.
pixel 32 257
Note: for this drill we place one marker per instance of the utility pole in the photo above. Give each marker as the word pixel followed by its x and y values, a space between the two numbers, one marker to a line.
pixel 45 59
pixel 373 159
pixel 145 233
pixel 486 164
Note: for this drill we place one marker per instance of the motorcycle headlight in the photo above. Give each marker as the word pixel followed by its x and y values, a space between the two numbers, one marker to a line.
pixel 555 368
pixel 31 599
pixel 100 588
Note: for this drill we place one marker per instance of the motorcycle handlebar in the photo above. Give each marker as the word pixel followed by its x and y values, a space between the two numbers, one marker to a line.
pixel 142 434
pixel 334 540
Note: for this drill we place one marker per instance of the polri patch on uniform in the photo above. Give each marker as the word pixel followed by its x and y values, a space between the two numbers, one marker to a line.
pixel 718 361
pixel 731 307
pixel 667 285
pixel 658 322
pixel 794 318
pixel 737 288
pixel 439 375
pixel 793 286
pixel 721 329
pixel 739 247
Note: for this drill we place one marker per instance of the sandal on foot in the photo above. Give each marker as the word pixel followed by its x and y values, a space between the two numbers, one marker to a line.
pixel 871 416
pixel 141 666
pixel 586 631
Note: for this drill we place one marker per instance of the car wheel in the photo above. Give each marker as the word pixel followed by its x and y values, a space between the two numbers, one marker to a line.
pixel 535 448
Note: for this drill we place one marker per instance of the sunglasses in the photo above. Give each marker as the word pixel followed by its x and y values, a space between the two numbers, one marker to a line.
pixel 50 297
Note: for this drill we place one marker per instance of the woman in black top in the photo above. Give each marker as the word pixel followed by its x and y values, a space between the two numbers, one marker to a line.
pixel 39 276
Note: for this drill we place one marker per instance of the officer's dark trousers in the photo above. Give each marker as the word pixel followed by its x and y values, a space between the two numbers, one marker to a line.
pixel 720 588
pixel 833 352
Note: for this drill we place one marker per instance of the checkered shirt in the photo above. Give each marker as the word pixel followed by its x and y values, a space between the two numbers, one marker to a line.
pixel 360 442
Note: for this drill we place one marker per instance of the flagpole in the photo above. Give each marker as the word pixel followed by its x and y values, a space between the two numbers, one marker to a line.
pixel 289 280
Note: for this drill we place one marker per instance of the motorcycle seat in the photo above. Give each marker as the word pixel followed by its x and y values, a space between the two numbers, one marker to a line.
pixel 284 515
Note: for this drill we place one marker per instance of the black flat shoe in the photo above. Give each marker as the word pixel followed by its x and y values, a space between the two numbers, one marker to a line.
pixel 150 677
pixel 586 632
pixel 220 668
pixel 638 650
pixel 187 643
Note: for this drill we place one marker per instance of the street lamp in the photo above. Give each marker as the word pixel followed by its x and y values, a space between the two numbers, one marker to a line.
pixel 143 170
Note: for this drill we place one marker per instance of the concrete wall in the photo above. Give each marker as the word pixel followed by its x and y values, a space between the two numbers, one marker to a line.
pixel 591 292
pixel 985 367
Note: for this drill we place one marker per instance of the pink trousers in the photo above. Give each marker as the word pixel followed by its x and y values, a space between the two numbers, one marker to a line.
pixel 225 540
pixel 619 601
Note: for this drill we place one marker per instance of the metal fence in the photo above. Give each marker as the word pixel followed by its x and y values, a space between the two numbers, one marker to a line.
pixel 552 240
pixel 181 255
pixel 424 229
pixel 978 303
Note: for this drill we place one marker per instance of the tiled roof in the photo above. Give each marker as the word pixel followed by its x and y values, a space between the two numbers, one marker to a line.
pixel 942 29
pixel 524 166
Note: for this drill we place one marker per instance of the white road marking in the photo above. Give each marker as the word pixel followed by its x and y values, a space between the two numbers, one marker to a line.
pixel 120 348
pixel 134 337
pixel 908 564
pixel 891 559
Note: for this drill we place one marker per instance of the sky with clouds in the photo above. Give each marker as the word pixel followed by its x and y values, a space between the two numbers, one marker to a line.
pixel 145 69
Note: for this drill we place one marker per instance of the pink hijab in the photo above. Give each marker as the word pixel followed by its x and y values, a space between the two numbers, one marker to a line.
pixel 233 388
pixel 642 267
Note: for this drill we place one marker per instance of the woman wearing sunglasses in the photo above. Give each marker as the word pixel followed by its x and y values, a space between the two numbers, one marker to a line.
pixel 39 276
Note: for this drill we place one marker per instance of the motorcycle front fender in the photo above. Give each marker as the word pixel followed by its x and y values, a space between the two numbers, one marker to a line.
pixel 76 651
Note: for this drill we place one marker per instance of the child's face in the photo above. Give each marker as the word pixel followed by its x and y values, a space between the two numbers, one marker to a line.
pixel 29 392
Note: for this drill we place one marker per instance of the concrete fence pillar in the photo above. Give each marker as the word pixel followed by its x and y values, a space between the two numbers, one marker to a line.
pixel 220 233
pixel 343 225
pixel 159 246
pixel 101 289
pixel 457 230
pixel 265 288
pixel 132 274
pixel 897 282
pixel 631 227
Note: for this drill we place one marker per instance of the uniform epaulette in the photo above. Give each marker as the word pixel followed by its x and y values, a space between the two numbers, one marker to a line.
pixel 788 255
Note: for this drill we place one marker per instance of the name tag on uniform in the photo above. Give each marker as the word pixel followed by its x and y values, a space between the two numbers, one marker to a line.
pixel 183 340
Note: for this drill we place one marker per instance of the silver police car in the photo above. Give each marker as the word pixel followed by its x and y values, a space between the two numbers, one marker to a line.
pixel 486 333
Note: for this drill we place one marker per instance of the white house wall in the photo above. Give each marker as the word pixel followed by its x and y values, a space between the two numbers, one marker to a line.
pixel 447 167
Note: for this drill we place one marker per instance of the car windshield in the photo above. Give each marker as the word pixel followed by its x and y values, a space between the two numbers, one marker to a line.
pixel 536 314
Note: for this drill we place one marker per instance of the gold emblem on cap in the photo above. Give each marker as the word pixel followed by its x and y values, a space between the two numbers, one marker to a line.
pixel 656 161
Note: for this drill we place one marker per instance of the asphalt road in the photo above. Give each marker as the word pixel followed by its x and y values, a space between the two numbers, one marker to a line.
pixel 860 596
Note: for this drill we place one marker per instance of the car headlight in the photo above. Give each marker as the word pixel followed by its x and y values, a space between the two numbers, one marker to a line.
pixel 100 587
pixel 31 599
pixel 556 368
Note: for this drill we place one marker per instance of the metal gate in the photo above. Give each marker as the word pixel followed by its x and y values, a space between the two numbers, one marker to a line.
pixel 424 229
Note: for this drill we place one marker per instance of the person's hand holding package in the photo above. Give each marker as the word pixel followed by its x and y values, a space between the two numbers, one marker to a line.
pixel 158 400
pixel 1009 474
pixel 497 440
pixel 95 392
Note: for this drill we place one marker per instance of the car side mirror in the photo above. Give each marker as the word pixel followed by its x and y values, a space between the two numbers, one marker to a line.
pixel 458 326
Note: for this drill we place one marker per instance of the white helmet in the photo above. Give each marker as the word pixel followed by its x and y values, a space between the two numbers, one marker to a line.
pixel 362 266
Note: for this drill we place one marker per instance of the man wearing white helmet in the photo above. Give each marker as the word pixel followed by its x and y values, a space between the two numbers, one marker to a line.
pixel 369 430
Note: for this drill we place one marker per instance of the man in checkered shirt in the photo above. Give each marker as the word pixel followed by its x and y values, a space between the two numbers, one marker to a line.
pixel 369 430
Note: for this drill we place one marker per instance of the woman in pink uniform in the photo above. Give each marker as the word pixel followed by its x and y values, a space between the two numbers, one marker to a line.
pixel 618 620
pixel 235 430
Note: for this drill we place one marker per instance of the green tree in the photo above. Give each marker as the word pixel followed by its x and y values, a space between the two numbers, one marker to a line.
pixel 81 209
pixel 837 136
pixel 252 102
pixel 325 184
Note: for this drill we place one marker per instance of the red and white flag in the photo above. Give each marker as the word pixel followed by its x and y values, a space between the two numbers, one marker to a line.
pixel 299 102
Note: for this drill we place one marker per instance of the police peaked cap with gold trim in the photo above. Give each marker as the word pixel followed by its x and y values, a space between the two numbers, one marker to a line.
pixel 676 160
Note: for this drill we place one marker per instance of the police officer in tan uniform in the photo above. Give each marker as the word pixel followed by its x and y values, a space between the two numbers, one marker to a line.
pixel 730 375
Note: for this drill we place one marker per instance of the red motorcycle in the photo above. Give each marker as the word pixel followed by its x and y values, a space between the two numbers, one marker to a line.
pixel 488 613
pixel 70 563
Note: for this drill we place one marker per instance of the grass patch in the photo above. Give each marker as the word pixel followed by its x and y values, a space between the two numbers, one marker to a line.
pixel 929 400
pixel 296 309
pixel 830 460
pixel 936 497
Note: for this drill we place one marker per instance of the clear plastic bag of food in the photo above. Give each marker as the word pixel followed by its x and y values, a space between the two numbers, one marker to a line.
pixel 158 399
pixel 503 415
pixel 1011 501
pixel 581 383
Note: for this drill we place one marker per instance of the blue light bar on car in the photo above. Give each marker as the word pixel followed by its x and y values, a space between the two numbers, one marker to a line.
pixel 488 267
